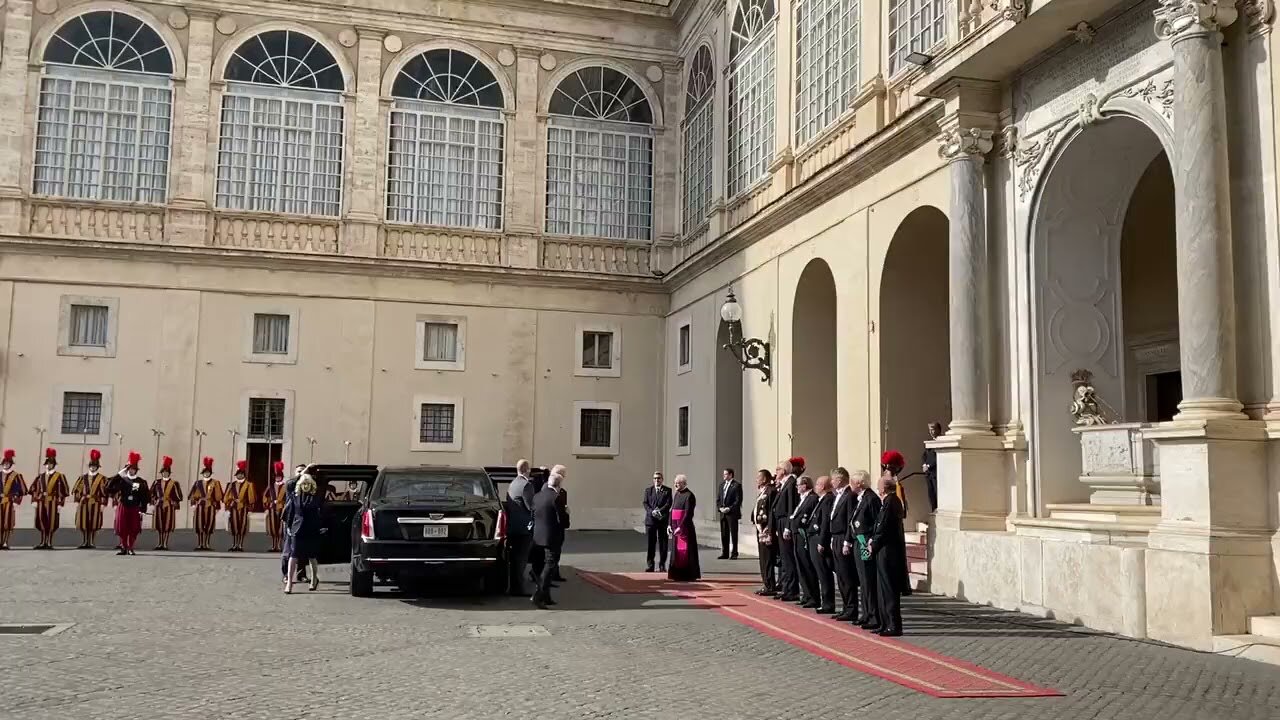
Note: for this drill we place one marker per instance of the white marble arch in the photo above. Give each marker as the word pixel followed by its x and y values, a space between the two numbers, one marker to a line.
pixel 1073 234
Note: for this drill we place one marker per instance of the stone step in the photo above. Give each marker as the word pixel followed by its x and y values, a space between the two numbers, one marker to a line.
pixel 916 537
pixel 1126 514
pixel 1266 626
pixel 917 552
pixel 918 567
pixel 919 583
pixel 1249 647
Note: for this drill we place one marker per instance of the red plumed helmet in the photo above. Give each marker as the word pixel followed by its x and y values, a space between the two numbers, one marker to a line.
pixel 8 455
pixel 95 456
pixel 207 463
pixel 279 467
pixel 796 462
pixel 892 458
pixel 134 458
pixel 241 465
pixel 50 454
pixel 166 463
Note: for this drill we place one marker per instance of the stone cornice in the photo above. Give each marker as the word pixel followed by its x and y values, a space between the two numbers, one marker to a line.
pixel 917 127
pixel 333 264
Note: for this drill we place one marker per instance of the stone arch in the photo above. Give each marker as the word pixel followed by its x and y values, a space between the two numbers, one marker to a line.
pixel 1076 235
pixel 729 410
pixel 40 38
pixel 233 43
pixel 814 393
pixel 564 71
pixel 914 332
pixel 409 53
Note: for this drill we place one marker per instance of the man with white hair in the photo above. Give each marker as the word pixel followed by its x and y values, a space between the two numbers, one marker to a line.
pixel 550 519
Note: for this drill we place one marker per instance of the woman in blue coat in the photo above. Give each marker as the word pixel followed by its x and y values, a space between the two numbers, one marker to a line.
pixel 302 527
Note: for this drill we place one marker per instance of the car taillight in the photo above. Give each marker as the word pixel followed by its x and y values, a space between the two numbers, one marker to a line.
pixel 500 531
pixel 366 525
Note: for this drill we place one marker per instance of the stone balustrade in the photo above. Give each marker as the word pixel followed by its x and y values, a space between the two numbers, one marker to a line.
pixel 443 245
pixel 595 256
pixel 96 221
pixel 273 232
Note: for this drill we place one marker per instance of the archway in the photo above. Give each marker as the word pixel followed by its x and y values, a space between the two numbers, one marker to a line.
pixel 729 429
pixel 1104 295
pixel 915 366
pixel 813 377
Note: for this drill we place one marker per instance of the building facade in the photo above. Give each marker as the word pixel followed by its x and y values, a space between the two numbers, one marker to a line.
pixel 377 233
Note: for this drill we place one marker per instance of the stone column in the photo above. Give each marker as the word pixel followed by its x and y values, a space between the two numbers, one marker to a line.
pixel 1206 287
pixel 366 130
pixel 14 142
pixel 522 192
pixel 189 211
pixel 965 149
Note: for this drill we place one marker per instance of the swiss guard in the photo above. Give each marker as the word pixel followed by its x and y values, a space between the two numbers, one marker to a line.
pixel 238 500
pixel 49 493
pixel 273 500
pixel 90 494
pixel 12 489
pixel 166 497
pixel 205 499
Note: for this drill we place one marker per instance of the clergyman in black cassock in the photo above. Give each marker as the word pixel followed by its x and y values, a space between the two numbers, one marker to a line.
pixel 820 547
pixel 800 535
pixel 657 511
pixel 889 548
pixel 842 557
pixel 784 505
pixel 862 521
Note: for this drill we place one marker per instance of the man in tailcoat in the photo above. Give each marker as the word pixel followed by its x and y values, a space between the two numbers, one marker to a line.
pixel 820 547
pixel 550 518
pixel 862 520
pixel 889 548
pixel 798 531
pixel 784 505
pixel 846 573
pixel 657 512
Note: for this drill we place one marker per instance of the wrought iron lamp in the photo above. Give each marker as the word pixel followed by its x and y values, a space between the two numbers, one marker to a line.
pixel 751 353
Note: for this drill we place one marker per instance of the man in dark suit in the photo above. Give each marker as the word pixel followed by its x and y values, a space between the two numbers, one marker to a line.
pixel 550 519
pixel 889 548
pixel 729 502
pixel 862 520
pixel 784 505
pixel 846 573
pixel 820 547
pixel 519 507
pixel 799 533
pixel 657 514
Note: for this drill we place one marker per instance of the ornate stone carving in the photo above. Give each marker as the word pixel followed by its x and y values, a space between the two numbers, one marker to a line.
pixel 1090 111
pixel 348 38
pixel 596 257
pixel 507 57
pixel 1259 14
pixel 1086 406
pixel 654 73
pixel 97 221
pixel 1157 95
pixel 47 7
pixel 226 25
pixel 958 143
pixel 1013 10
pixel 283 234
pixel 178 19
pixel 1183 18
pixel 547 62
pixel 1006 141
pixel 448 246
pixel 1083 33
pixel 1027 158
pixel 393 43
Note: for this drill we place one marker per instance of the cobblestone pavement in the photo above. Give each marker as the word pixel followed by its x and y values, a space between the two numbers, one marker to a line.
pixel 181 635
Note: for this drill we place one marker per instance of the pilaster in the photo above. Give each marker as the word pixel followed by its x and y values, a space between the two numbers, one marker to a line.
pixel 522 192
pixel 667 196
pixel 188 218
pixel 367 130
pixel 784 74
pixel 14 68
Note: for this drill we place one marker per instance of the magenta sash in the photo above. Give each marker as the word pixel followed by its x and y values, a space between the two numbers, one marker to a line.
pixel 680 544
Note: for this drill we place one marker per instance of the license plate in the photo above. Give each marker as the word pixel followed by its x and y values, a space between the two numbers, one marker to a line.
pixel 435 531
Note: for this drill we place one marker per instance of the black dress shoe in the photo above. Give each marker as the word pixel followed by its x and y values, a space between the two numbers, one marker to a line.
pixel 810 606
pixel 733 556
pixel 662 567
pixel 826 611
pixel 762 592
pixel 132 552
pixel 843 617
pixel 648 568
pixel 890 633
pixel 122 551
pixel 538 603
pixel 722 557
pixel 787 598
pixel 875 629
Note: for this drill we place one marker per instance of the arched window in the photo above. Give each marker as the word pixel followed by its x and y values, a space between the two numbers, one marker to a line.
pixel 106 100
pixel 280 142
pixel 445 152
pixel 600 157
pixel 698 144
pixel 915 25
pixel 826 63
pixel 751 93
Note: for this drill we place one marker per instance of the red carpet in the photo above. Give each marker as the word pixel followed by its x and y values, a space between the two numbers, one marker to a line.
pixel 889 658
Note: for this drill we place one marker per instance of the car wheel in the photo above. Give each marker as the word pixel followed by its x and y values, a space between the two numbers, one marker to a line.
pixel 361 582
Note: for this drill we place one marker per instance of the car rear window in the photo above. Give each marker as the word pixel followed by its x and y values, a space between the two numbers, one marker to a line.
pixel 426 485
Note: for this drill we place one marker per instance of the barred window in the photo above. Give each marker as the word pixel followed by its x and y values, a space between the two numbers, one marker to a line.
pixel 685 346
pixel 440 342
pixel 89 324
pixel 826 63
pixel 106 100
pixel 266 418
pixel 437 423
pixel 595 428
pixel 752 58
pixel 445 163
pixel 682 426
pixel 600 157
pixel 270 334
pixel 915 26
pixel 81 413
pixel 281 135
pixel 597 350
pixel 698 143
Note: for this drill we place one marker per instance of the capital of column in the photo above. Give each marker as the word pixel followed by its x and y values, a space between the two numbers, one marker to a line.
pixel 961 143
pixel 1182 19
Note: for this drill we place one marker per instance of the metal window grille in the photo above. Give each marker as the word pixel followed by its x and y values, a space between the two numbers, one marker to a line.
pixel 600 157
pixel 595 428
pixel 81 413
pixel 89 325
pixel 106 102
pixel 915 26
pixel 597 350
pixel 266 418
pixel 437 423
pixel 682 427
pixel 826 63
pixel 440 342
pixel 270 334
pixel 752 52
pixel 685 347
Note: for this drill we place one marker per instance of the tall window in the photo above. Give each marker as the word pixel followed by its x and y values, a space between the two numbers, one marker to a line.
pixel 89 325
pixel 698 125
pixel 600 157
pixel 446 144
pixel 751 93
pixel 81 413
pixel 826 63
pixel 281 139
pixel 915 26
pixel 270 334
pixel 106 99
